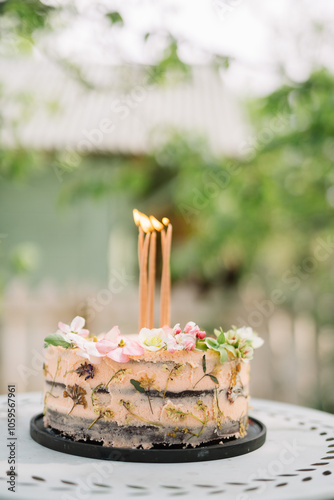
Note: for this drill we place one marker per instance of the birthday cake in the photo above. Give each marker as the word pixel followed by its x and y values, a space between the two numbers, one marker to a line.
pixel 162 387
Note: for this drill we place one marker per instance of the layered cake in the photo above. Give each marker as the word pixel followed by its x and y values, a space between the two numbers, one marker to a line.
pixel 165 386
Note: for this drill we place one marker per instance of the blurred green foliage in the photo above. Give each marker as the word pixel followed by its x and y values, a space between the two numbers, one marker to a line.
pixel 168 64
pixel 263 214
pixel 25 17
pixel 115 18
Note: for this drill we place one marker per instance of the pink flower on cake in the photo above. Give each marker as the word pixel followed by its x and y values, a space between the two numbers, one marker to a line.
pixel 180 342
pixel 117 347
pixel 77 327
pixel 187 341
pixel 172 345
pixel 177 329
pixel 190 326
pixel 194 329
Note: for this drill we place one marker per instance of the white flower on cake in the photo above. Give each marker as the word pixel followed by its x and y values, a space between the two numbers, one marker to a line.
pixel 87 348
pixel 76 326
pixel 152 340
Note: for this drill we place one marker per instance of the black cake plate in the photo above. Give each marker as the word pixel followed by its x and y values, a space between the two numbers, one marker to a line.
pixel 255 438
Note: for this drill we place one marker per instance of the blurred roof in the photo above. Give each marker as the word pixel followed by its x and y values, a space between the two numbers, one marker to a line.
pixel 44 106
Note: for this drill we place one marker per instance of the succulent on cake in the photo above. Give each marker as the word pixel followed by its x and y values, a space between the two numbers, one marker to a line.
pixel 234 343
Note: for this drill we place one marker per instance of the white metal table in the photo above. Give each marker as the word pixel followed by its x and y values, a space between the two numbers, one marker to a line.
pixel 296 462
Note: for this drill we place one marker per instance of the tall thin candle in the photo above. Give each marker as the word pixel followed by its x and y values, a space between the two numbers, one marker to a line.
pixel 168 280
pixel 143 285
pixel 152 269
pixel 165 277
pixel 137 216
pixel 151 280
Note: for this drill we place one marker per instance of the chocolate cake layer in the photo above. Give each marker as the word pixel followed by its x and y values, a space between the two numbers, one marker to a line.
pixel 109 433
pixel 238 391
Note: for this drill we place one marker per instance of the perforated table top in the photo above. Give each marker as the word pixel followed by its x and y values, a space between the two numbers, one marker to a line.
pixel 296 462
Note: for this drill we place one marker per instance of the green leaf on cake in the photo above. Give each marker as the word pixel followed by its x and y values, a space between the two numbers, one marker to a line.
pixel 57 339
pixel 213 378
pixel 204 364
pixel 230 348
pixel 223 354
pixel 201 345
pixel 221 338
pixel 212 343
pixel 137 385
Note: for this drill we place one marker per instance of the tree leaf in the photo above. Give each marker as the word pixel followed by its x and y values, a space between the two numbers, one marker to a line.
pixel 57 339
pixel 216 332
pixel 115 18
pixel 213 378
pixel 137 385
pixel 204 364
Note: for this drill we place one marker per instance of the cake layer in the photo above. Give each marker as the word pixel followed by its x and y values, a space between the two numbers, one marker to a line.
pixel 180 371
pixel 138 407
pixel 176 398
pixel 109 433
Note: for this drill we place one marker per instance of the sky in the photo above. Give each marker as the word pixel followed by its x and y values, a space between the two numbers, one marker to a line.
pixel 265 40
